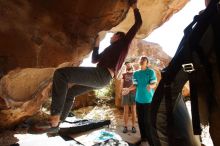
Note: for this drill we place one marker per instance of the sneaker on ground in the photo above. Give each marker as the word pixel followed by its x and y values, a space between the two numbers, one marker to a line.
pixel 133 130
pixel 125 130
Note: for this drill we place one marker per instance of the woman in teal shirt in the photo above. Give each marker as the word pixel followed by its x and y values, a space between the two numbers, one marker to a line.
pixel 144 81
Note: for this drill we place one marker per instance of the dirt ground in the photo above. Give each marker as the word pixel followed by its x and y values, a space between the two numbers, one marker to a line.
pixel 103 112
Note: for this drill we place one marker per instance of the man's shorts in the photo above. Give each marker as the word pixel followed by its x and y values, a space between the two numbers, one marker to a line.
pixel 128 99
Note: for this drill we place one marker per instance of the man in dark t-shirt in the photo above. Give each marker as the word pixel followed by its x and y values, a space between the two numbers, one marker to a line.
pixel 86 79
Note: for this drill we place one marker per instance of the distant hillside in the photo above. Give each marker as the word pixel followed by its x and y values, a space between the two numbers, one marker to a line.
pixel 153 51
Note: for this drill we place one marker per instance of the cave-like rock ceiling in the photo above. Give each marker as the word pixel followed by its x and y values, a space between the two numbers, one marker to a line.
pixel 46 33
pixel 38 35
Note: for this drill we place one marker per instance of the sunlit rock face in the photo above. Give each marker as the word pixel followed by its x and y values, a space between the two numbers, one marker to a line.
pixel 153 51
pixel 41 34
pixel 23 92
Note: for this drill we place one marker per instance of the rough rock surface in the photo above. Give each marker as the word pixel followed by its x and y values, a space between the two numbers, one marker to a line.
pixel 42 34
pixel 24 99
pixel 48 33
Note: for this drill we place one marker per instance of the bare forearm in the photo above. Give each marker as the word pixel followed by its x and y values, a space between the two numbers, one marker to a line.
pixel 152 85
pixel 132 87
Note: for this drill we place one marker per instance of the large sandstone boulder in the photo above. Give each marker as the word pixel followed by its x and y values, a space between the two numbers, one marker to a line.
pixel 42 34
pixel 23 92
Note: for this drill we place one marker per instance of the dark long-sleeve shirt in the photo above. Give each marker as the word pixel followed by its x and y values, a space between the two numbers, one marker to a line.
pixel 114 55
